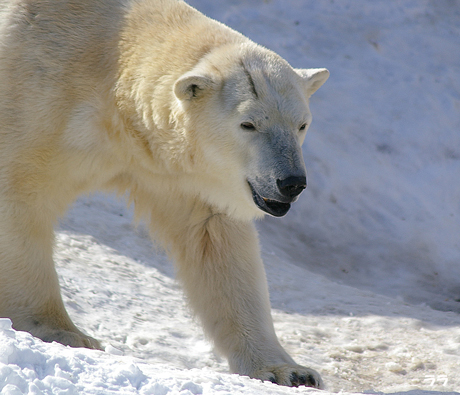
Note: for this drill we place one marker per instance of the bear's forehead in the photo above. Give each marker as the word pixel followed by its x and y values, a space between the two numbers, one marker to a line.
pixel 270 76
pixel 274 92
pixel 270 84
pixel 265 85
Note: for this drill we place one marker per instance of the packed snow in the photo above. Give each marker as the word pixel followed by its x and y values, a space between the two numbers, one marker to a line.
pixel 364 272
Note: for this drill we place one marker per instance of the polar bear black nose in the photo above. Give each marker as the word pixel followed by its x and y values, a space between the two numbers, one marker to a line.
pixel 292 186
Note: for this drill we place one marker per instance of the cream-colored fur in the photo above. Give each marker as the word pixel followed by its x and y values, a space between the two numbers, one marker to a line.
pixel 197 123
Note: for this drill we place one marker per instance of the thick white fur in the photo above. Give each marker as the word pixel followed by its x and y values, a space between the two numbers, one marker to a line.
pixel 144 96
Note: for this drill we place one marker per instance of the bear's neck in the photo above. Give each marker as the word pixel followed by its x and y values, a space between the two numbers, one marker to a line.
pixel 161 41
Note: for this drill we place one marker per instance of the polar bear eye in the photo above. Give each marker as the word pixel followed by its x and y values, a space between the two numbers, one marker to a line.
pixel 248 126
pixel 303 127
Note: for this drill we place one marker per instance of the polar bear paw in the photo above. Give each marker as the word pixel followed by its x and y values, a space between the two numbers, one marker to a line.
pixel 72 339
pixel 290 375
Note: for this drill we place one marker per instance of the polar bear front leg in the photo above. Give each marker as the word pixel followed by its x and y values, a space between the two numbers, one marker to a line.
pixel 224 278
pixel 29 288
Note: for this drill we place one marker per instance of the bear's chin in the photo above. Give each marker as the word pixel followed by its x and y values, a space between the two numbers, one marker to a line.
pixel 272 207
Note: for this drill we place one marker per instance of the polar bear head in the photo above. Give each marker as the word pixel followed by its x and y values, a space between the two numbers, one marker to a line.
pixel 248 111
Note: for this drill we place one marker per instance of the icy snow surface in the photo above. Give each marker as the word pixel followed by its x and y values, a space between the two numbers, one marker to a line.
pixel 364 271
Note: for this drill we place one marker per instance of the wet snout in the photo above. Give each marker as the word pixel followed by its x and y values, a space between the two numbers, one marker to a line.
pixel 279 174
pixel 292 186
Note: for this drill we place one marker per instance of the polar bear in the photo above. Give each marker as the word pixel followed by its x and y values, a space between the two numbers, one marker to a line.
pixel 200 126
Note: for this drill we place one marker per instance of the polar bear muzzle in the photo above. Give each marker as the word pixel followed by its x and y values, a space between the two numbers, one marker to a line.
pixel 288 189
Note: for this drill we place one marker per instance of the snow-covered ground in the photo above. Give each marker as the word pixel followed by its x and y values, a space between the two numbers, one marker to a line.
pixel 364 272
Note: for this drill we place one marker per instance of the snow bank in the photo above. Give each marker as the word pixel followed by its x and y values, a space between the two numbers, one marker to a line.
pixel 382 209
pixel 29 366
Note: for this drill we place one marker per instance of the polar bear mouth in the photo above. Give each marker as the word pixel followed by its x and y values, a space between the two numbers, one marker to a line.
pixel 272 207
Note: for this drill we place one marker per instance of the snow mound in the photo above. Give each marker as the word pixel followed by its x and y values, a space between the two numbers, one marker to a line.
pixel 29 366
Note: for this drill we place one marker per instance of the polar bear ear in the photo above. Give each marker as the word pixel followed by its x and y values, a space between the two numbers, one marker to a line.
pixel 192 85
pixel 313 78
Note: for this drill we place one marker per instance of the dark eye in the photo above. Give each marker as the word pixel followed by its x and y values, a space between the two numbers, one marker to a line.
pixel 248 126
pixel 303 127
